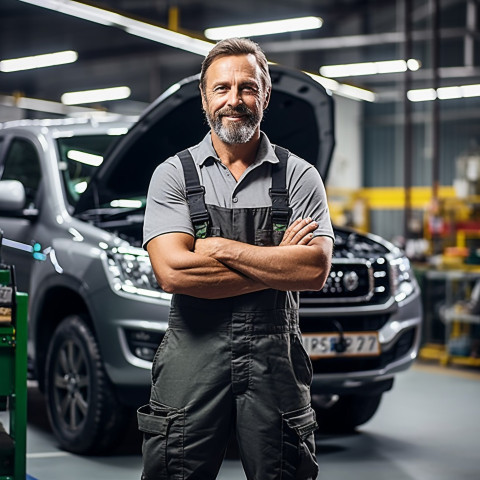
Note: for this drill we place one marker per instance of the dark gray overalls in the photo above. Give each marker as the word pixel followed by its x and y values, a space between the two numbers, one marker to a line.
pixel 232 363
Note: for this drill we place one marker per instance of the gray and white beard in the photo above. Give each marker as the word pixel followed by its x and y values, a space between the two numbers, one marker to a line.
pixel 236 132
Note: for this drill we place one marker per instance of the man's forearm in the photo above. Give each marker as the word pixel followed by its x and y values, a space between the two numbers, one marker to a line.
pixel 186 272
pixel 291 267
pixel 208 278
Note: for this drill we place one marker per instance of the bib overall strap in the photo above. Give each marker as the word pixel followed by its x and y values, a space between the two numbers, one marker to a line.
pixel 281 210
pixel 195 195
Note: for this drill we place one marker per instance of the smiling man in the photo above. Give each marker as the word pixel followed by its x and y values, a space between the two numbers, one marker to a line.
pixel 234 227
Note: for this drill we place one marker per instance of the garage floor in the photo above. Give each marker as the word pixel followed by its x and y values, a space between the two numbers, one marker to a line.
pixel 427 428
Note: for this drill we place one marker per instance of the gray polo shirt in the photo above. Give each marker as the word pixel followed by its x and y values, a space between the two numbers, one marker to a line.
pixel 167 209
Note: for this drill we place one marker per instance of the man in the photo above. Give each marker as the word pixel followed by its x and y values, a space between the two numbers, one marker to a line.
pixel 218 235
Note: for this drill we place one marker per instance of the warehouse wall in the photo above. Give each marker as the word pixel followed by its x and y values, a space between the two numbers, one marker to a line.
pixel 383 149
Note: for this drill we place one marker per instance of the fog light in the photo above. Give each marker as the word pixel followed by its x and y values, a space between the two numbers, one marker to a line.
pixel 143 343
pixel 145 353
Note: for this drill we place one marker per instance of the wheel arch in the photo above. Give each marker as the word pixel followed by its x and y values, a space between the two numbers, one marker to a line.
pixel 57 302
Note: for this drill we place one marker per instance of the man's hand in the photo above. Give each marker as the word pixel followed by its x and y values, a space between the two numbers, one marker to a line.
pixel 300 232
pixel 207 246
pixel 179 269
pixel 302 262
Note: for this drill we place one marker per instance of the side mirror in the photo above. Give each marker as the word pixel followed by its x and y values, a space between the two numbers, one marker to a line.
pixel 12 195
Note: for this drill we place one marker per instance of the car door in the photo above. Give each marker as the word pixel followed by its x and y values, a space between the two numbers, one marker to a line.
pixel 20 161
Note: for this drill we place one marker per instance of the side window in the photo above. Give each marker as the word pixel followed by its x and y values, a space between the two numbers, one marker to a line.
pixel 22 164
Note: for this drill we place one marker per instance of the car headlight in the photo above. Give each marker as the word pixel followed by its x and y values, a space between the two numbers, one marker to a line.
pixel 403 281
pixel 130 271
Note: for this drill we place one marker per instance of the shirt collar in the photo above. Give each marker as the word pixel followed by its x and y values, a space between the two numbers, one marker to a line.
pixel 205 150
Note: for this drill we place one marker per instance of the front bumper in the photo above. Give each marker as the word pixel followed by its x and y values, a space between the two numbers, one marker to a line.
pixel 399 338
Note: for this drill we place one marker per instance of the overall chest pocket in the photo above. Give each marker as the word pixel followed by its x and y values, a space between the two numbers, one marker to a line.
pixel 268 237
pixel 214 232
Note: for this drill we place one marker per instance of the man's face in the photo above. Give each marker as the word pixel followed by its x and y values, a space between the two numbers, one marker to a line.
pixel 234 98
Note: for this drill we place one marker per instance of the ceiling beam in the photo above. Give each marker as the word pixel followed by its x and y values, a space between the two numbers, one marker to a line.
pixel 422 74
pixel 355 41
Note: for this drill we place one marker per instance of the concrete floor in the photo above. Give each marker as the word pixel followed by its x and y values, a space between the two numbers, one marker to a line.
pixel 427 428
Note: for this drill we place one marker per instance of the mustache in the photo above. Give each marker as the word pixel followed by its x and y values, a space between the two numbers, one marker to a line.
pixel 239 109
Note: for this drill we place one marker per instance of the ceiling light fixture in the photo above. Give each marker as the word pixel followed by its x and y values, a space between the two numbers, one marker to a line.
pixel 166 37
pixel 422 95
pixel 47 106
pixel 369 68
pixel 38 61
pixel 126 203
pixel 444 93
pixel 98 95
pixel 86 158
pixel 264 28
pixel 348 91
pixel 130 25
pixel 117 131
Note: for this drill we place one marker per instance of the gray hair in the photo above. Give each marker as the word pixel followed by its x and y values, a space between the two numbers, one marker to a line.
pixel 237 46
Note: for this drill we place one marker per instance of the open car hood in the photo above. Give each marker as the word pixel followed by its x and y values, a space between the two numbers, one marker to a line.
pixel 299 117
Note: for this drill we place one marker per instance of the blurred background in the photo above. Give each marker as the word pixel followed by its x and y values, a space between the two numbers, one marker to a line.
pixel 404 76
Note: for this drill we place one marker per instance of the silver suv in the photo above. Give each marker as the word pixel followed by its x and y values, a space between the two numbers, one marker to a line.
pixel 72 197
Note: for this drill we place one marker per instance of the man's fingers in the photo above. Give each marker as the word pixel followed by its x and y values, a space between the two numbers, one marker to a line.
pixel 293 229
pixel 305 239
pixel 304 232
pixel 299 232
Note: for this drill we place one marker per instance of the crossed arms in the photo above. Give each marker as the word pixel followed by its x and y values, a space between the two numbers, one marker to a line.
pixel 217 267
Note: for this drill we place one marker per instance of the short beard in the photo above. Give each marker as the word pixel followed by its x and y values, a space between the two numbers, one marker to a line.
pixel 235 134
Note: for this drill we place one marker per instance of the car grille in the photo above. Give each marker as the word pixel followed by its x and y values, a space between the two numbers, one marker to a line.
pixel 352 282
pixel 356 323
pixel 360 364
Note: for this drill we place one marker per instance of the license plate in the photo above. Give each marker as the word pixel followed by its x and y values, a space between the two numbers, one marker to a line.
pixel 319 345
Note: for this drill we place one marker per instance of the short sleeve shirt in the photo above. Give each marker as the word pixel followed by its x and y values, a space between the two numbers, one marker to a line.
pixel 167 208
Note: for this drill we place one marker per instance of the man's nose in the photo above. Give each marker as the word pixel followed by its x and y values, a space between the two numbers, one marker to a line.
pixel 234 97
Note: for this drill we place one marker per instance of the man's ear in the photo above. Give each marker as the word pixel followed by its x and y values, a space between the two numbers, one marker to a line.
pixel 204 104
pixel 267 98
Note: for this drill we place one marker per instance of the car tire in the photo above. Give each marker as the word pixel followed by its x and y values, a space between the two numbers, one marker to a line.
pixel 347 413
pixel 84 413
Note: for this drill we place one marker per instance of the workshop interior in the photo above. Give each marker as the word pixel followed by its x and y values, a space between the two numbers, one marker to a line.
pixel 382 97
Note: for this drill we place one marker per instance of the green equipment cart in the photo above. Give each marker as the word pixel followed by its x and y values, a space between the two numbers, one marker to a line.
pixel 13 377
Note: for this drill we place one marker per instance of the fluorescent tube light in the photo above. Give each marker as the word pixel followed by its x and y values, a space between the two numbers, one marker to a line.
pixel 93 96
pixel 369 68
pixel 413 64
pixel 356 93
pixel 86 158
pixel 79 10
pixel 264 28
pixel 471 90
pixel 422 95
pixel 130 25
pixel 449 92
pixel 46 106
pixel 343 90
pixel 444 93
pixel 81 187
pixel 165 36
pixel 117 131
pixel 126 203
pixel 38 61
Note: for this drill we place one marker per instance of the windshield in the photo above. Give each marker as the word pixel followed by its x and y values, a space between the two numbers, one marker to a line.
pixel 79 158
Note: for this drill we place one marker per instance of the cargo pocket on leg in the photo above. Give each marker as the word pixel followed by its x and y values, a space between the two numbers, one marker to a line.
pixel 298 449
pixel 162 449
